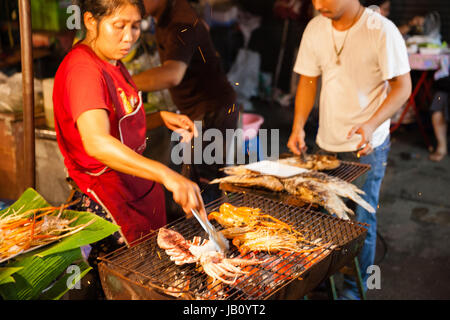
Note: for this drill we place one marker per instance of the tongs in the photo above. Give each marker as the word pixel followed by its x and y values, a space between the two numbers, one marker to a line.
pixel 302 155
pixel 215 237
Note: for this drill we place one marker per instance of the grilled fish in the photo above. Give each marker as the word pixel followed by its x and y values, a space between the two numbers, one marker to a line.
pixel 336 186
pixel 314 192
pixel 253 180
pixel 312 186
pixel 313 162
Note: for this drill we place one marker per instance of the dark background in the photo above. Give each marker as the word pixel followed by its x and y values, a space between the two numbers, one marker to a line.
pixel 267 39
pixel 403 10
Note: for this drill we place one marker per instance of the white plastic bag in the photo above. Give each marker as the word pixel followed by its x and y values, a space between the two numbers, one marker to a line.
pixel 244 73
pixel 11 93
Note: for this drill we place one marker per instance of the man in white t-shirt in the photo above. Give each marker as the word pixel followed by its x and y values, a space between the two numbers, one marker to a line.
pixel 358 54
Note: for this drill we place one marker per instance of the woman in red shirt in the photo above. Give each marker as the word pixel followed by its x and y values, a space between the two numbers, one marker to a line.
pixel 101 125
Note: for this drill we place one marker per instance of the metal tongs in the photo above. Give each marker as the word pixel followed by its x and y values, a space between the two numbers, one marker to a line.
pixel 215 237
pixel 302 155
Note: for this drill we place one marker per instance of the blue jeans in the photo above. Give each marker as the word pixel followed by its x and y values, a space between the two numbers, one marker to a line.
pixel 378 161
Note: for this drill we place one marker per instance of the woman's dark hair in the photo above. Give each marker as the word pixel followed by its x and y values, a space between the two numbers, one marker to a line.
pixel 103 8
pixel 369 3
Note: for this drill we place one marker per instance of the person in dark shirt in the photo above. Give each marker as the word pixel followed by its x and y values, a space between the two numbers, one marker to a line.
pixel 192 71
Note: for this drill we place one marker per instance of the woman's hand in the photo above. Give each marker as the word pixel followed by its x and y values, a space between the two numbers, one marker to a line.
pixel 186 193
pixel 181 124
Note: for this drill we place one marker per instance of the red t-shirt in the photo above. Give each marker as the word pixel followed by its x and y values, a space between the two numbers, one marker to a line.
pixel 84 82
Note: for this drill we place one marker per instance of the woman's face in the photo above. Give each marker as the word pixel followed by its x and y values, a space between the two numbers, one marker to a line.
pixel 114 35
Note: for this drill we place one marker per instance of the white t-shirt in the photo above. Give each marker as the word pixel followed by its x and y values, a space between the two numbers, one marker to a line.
pixel 373 53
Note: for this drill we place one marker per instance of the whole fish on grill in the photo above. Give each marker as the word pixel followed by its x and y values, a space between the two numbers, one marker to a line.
pixel 338 186
pixel 253 180
pixel 312 186
pixel 313 162
pixel 314 192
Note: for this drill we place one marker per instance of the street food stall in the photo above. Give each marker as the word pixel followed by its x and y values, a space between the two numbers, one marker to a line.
pixel 282 226
pixel 304 244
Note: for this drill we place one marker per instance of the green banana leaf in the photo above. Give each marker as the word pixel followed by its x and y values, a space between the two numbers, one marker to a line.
pixel 5 274
pixel 27 275
pixel 29 200
pixel 61 286
pixel 37 274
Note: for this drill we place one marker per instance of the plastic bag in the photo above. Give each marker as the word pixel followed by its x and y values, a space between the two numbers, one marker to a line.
pixel 11 93
pixel 432 26
pixel 244 73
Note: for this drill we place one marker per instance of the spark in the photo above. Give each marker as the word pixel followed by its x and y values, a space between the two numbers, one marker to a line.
pixel 184 30
pixel 179 38
pixel 203 57
pixel 237 83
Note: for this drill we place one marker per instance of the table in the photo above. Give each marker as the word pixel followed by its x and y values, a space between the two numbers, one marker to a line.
pixel 439 63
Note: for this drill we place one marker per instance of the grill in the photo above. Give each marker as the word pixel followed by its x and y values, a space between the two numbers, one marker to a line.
pixel 144 271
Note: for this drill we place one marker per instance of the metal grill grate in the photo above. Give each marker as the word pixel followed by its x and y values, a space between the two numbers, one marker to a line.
pixel 349 171
pixel 149 266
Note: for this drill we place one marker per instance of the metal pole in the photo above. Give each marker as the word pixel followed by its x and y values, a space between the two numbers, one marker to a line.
pixel 280 56
pixel 28 94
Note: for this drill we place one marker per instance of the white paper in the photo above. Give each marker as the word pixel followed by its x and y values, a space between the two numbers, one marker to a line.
pixel 274 168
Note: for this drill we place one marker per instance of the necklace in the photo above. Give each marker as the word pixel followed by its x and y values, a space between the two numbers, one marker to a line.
pixel 338 52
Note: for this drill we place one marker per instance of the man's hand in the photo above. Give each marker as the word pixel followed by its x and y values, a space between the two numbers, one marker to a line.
pixel 180 124
pixel 168 75
pixel 296 141
pixel 366 131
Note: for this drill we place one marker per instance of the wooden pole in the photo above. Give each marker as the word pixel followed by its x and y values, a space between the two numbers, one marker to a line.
pixel 28 94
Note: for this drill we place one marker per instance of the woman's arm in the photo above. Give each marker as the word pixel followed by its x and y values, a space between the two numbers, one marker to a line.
pixel 94 129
